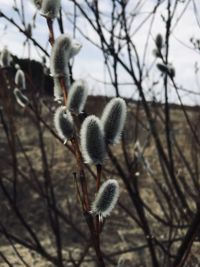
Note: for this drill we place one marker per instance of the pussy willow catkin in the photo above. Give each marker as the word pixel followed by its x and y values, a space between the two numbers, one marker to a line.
pixel 20 80
pixel 64 48
pixel 113 119
pixel 77 96
pixel 5 58
pixel 21 99
pixel 50 8
pixel 92 141
pixel 63 123
pixel 38 3
pixel 106 198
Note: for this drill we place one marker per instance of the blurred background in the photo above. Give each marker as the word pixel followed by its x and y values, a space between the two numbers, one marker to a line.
pixel 146 52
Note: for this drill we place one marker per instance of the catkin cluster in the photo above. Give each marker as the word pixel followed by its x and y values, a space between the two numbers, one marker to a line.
pixel 20 80
pixel 63 120
pixel 63 50
pixel 5 58
pixel 96 134
pixel 20 86
pixel 158 53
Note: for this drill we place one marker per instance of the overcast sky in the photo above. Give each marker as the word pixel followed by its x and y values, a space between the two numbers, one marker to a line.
pixel 89 62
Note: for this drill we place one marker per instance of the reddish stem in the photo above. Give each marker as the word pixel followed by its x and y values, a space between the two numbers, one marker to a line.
pixel 81 173
pixel 64 89
pixel 51 32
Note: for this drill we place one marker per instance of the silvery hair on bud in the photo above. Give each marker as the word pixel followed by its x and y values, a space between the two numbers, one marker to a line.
pixel 92 140
pixel 20 80
pixel 169 69
pixel 77 96
pixel 64 48
pixel 29 30
pixel 106 198
pixel 63 123
pixel 38 3
pixel 159 41
pixel 21 99
pixel 5 58
pixel 113 119
pixel 50 8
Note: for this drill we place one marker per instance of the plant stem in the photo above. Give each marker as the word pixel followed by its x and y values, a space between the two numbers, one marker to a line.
pixel 51 32
pixel 64 89
pixel 186 245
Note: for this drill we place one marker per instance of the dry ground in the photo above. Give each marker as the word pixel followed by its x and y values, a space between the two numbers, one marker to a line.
pixel 120 232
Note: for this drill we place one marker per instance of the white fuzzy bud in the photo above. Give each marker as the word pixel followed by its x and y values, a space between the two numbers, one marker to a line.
pixel 20 80
pixel 50 8
pixel 157 53
pixel 106 198
pixel 17 66
pixel 63 123
pixel 29 30
pixel 113 119
pixel 77 97
pixel 159 41
pixel 38 3
pixel 5 58
pixel 21 99
pixel 168 69
pixel 92 141
pixel 63 49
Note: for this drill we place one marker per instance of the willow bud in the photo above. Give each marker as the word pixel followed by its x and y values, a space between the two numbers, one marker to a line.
pixel 92 141
pixel 21 99
pixel 63 49
pixel 20 80
pixel 38 3
pixel 77 97
pixel 113 119
pixel 5 58
pixel 168 69
pixel 50 8
pixel 159 41
pixel 157 53
pixel 106 198
pixel 63 123
pixel 29 30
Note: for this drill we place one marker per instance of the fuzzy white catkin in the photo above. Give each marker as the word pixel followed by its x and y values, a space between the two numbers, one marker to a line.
pixel 50 8
pixel 77 97
pixel 5 58
pixel 106 198
pixel 38 3
pixel 29 30
pixel 21 99
pixel 92 141
pixel 63 123
pixel 169 69
pixel 17 66
pixel 64 48
pixel 159 41
pixel 113 119
pixel 20 80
